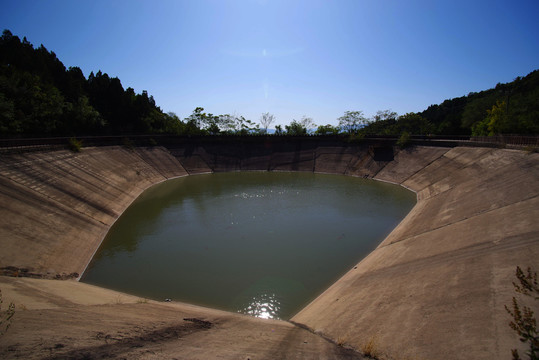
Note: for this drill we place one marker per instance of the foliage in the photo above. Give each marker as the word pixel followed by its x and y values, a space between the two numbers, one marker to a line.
pixel 387 122
pixel 524 322
pixel 496 121
pixel 201 123
pixel 40 97
pixel 383 115
pixel 356 138
pixel 295 128
pixel 404 140
pixel 383 123
pixel 246 126
pixel 511 108
pixel 75 145
pixel 5 316
pixel 352 121
pixel 301 127
pixel 266 120
pixel 326 130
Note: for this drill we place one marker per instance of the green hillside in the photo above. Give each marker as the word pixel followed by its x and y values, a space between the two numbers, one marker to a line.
pixel 511 108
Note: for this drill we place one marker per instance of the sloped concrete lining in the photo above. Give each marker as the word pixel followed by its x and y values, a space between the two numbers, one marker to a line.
pixel 433 289
pixel 57 206
pixel 436 286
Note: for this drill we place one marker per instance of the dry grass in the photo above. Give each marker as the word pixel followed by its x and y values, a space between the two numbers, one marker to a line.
pixel 341 341
pixel 370 348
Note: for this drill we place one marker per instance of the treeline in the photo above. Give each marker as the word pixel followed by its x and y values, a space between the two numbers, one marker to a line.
pixel 40 97
pixel 511 108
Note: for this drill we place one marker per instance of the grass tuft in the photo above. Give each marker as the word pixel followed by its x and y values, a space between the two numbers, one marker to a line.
pixel 370 348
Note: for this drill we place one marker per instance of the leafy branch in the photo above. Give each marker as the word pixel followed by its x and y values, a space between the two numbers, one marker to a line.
pixel 524 322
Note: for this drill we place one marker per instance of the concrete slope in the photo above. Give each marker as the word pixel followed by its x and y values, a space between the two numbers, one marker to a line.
pixel 436 286
pixel 70 320
pixel 57 206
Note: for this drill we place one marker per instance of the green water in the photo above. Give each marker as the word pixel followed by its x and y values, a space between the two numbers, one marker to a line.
pixel 260 243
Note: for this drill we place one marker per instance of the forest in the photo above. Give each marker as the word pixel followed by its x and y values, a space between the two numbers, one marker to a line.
pixel 40 97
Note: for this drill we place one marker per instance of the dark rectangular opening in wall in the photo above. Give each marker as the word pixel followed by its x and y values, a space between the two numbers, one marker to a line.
pixel 382 153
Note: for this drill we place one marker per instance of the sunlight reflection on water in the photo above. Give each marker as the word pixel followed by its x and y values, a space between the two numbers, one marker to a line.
pixel 264 306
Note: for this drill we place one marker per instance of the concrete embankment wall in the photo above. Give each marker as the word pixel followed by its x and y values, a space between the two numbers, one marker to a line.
pixel 57 206
pixel 434 288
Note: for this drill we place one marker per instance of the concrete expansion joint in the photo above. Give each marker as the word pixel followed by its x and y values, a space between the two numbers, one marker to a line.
pixel 421 169
pixel 466 218
pixel 323 336
pixel 149 165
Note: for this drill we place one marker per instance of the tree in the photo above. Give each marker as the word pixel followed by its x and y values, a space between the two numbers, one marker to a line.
pixel 413 123
pixel 382 123
pixel 246 126
pixel 266 120
pixel 173 124
pixel 307 123
pixel 352 121
pixel 81 117
pixel 524 322
pixel 301 127
pixel 497 118
pixel 326 130
pixel 211 124
pixel 198 118
pixel 39 96
pixel 496 121
pixel 295 128
pixel 384 115
pixel 229 123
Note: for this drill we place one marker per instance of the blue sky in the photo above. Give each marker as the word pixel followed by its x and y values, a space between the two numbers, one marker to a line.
pixel 289 58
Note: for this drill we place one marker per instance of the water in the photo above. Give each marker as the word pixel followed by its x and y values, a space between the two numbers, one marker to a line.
pixel 260 243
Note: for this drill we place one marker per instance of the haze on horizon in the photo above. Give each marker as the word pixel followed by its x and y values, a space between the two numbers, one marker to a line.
pixel 290 58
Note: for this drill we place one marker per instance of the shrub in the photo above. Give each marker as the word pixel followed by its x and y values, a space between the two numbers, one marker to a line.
pixel 75 145
pixel 524 322
pixel 404 140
